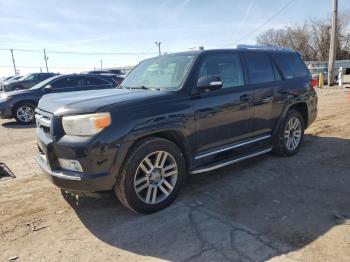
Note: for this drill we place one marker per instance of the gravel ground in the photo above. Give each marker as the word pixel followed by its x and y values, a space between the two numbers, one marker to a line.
pixel 283 209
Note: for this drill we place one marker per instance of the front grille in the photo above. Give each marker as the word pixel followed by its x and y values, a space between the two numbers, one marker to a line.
pixel 44 122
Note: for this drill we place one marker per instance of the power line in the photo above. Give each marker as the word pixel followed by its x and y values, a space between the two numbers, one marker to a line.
pixel 78 52
pixel 54 67
pixel 266 22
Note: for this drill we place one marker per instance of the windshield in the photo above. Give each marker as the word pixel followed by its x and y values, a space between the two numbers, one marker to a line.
pixel 27 77
pixel 45 82
pixel 163 72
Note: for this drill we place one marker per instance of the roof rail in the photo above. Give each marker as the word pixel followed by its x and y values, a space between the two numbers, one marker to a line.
pixel 265 47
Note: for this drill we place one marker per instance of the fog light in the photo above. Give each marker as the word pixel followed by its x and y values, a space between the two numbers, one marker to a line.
pixel 70 164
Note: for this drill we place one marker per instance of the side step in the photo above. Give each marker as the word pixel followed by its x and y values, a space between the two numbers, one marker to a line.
pixel 229 162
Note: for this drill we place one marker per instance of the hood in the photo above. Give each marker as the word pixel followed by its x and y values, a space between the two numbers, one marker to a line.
pixel 90 101
pixel 21 92
pixel 13 82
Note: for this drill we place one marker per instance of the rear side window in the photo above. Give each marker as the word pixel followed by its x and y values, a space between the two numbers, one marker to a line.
pixel 227 66
pixel 259 68
pixel 68 82
pixel 291 65
pixel 94 81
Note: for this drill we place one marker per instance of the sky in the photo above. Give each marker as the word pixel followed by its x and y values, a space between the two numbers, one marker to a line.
pixel 124 32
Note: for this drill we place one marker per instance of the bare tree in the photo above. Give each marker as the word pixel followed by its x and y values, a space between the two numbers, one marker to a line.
pixel 311 38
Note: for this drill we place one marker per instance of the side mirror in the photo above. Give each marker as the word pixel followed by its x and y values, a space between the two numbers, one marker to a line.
pixel 209 83
pixel 47 88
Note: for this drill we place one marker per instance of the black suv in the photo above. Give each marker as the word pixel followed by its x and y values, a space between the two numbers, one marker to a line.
pixel 21 104
pixel 25 82
pixel 181 113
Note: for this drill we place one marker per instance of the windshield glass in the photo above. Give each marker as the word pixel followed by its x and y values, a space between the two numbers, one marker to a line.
pixel 28 77
pixel 164 72
pixel 44 83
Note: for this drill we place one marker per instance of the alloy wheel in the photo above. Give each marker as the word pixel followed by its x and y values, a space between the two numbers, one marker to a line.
pixel 156 177
pixel 292 133
pixel 25 114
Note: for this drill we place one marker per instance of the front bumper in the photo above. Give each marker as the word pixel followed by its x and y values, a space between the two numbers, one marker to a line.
pixel 95 155
pixel 5 110
pixel 75 181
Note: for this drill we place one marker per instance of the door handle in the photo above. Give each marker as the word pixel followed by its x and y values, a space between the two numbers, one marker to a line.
pixel 246 97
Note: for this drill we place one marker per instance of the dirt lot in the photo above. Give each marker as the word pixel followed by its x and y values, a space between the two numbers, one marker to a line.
pixel 266 208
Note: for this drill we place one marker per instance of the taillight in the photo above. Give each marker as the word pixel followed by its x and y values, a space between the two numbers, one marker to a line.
pixel 314 83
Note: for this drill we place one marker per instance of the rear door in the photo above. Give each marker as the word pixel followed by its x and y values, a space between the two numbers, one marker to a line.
pixel 265 81
pixel 296 79
pixel 222 116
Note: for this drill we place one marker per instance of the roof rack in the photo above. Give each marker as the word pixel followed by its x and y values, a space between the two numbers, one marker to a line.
pixel 265 47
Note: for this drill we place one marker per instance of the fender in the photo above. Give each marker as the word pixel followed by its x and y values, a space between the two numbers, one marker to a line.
pixel 291 102
pixel 177 126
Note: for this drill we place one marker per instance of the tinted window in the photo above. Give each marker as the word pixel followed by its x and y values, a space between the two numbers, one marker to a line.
pixel 227 66
pixel 259 68
pixel 44 76
pixel 291 65
pixel 68 82
pixel 94 81
pixel 276 72
pixel 31 77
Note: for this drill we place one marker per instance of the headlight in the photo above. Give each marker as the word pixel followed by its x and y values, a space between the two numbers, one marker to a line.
pixel 3 97
pixel 86 125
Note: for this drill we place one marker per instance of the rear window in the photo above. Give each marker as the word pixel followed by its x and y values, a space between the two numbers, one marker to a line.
pixel 291 65
pixel 259 68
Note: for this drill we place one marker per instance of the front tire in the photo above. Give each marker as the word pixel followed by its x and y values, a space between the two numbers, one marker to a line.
pixel 151 176
pixel 290 134
pixel 24 113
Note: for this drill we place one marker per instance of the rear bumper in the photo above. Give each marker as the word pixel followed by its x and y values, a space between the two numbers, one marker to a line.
pixel 312 109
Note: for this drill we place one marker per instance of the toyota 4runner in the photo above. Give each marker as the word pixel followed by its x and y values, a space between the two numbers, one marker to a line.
pixel 175 114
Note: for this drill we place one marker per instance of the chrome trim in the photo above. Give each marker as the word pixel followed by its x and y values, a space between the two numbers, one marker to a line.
pixel 42 121
pixel 231 147
pixel 230 162
pixel 214 83
pixel 44 167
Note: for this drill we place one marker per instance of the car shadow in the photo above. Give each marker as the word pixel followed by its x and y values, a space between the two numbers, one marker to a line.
pixel 251 211
pixel 15 125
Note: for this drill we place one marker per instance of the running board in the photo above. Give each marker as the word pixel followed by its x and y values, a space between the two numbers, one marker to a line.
pixel 229 162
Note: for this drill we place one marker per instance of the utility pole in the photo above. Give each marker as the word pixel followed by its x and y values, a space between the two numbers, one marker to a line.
pixel 333 44
pixel 101 63
pixel 13 61
pixel 158 44
pixel 46 58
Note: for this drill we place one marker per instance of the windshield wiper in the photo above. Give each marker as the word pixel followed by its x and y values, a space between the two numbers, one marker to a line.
pixel 141 87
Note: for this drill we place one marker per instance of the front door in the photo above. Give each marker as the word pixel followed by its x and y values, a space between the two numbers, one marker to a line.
pixel 222 116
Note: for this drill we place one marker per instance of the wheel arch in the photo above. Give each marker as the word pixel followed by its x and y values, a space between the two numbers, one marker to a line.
pixel 173 136
pixel 301 107
pixel 27 101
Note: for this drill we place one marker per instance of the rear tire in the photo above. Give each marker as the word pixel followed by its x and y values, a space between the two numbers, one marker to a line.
pixel 151 176
pixel 290 134
pixel 24 113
